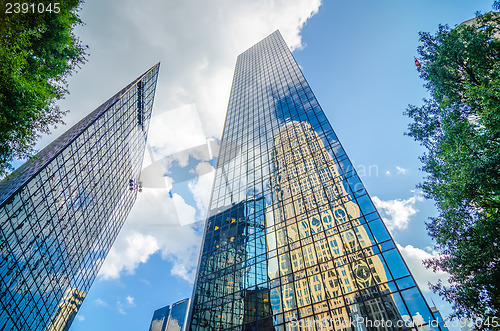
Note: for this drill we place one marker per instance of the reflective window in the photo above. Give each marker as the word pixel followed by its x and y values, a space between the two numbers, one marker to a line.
pixel 325 252
pixel 61 211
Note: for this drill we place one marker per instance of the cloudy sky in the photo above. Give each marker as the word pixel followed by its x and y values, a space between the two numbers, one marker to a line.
pixel 358 58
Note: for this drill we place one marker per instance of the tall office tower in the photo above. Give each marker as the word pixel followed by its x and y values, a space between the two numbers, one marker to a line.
pixel 171 318
pixel 61 211
pixel 292 238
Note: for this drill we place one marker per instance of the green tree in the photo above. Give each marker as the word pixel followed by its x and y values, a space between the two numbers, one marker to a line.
pixel 459 125
pixel 38 51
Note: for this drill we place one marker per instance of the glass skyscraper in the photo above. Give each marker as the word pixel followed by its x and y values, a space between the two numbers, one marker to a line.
pixel 292 239
pixel 61 211
pixel 171 318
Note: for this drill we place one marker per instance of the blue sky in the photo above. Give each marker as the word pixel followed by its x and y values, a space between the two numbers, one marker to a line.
pixel 358 58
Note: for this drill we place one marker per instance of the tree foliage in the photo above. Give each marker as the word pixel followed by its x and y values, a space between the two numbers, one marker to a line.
pixel 460 127
pixel 37 53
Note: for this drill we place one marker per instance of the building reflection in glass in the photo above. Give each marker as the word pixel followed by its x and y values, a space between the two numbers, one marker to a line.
pixel 292 236
pixel 160 318
pixel 171 318
pixel 325 247
pixel 67 310
pixel 178 315
pixel 232 282
pixel 61 211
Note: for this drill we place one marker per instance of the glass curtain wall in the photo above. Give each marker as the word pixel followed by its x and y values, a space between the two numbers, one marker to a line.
pixel 61 211
pixel 292 240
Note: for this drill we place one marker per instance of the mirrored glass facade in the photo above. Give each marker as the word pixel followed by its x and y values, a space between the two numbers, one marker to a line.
pixel 178 316
pixel 292 239
pixel 61 211
pixel 171 318
pixel 160 318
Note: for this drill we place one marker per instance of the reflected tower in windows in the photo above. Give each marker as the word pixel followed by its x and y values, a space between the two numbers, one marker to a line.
pixel 292 238
pixel 171 318
pixel 61 211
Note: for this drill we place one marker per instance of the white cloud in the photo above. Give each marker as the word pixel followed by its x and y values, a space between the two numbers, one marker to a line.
pixel 126 254
pixel 176 130
pixel 182 271
pixel 100 302
pixel 119 307
pixel 130 300
pixel 185 213
pixel 154 225
pixel 145 281
pixel 201 187
pixel 197 43
pixel 401 171
pixel 396 213
pixel 80 318
pixel 413 257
